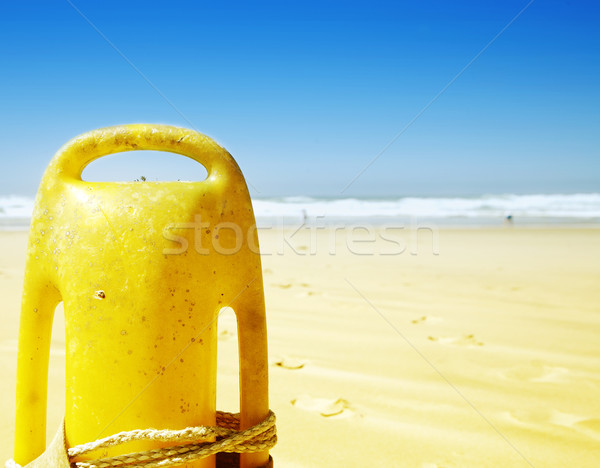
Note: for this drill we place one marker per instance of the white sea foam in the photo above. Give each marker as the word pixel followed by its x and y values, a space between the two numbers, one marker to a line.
pixel 585 207
pixel 14 206
pixel 15 211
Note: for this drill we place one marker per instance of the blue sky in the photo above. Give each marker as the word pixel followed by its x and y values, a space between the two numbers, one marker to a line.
pixel 306 94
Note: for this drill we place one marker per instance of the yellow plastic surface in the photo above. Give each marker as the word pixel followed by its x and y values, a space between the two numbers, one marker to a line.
pixel 143 269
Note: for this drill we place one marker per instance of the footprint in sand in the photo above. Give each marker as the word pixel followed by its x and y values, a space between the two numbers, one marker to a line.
pixel 547 417
pixel 326 407
pixel 288 362
pixel 301 293
pixel 537 372
pixel 466 340
pixel 225 335
pixel 307 294
pixel 430 320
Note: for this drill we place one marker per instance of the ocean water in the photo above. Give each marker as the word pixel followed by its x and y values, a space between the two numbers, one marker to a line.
pixel 551 208
pixel 578 208
pixel 15 212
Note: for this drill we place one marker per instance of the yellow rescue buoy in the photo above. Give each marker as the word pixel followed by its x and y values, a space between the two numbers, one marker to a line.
pixel 143 269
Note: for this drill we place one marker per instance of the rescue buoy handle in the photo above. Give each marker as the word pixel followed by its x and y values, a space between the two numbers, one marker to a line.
pixel 74 156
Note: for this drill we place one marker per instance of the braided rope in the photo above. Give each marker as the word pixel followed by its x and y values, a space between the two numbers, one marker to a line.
pixel 258 438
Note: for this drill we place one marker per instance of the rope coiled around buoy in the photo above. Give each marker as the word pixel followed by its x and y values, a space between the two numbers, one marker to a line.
pixel 229 439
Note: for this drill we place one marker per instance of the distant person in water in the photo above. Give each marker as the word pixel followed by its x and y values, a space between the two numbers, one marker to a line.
pixel 508 219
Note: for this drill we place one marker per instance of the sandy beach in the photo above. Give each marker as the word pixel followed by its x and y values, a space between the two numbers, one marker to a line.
pixel 444 348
